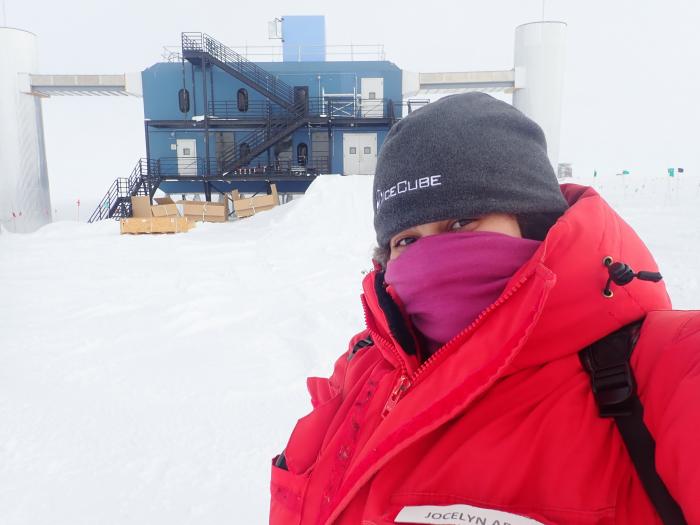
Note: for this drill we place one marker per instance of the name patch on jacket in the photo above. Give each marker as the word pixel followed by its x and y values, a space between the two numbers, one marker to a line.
pixel 460 514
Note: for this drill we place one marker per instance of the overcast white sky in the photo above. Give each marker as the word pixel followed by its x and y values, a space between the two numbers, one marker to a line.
pixel 629 102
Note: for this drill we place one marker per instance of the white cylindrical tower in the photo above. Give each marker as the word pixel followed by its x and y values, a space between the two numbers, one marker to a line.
pixel 25 204
pixel 540 57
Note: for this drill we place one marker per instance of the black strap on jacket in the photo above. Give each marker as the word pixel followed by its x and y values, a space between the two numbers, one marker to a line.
pixel 397 324
pixel 607 362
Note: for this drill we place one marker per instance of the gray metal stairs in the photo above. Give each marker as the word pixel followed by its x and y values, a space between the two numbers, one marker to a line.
pixel 117 201
pixel 279 127
pixel 195 45
pixel 288 117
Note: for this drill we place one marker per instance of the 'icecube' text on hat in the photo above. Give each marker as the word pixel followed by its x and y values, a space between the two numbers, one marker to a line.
pixel 463 156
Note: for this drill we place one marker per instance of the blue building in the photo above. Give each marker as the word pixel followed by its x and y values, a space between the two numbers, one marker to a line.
pixel 216 121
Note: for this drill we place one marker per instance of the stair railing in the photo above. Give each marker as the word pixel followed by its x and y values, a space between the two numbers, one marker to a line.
pixel 202 42
pixel 117 200
pixel 280 124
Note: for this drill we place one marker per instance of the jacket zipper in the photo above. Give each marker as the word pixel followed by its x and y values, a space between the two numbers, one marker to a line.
pixel 397 392
pixel 406 381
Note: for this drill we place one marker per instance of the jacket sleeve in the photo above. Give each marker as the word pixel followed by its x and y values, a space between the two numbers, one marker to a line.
pixel 309 433
pixel 322 389
pixel 290 472
pixel 668 374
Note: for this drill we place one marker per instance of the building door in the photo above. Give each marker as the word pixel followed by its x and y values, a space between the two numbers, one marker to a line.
pixel 320 152
pixel 372 93
pixel 359 153
pixel 225 149
pixel 283 154
pixel 186 157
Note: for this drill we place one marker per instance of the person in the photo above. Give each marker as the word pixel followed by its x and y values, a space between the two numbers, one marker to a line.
pixel 468 397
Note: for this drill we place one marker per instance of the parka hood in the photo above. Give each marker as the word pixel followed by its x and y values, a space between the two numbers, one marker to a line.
pixel 577 312
pixel 570 310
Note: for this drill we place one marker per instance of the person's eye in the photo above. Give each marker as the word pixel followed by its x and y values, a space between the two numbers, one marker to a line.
pixel 461 223
pixel 404 241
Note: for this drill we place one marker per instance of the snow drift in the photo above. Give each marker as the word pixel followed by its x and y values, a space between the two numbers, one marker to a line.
pixel 150 379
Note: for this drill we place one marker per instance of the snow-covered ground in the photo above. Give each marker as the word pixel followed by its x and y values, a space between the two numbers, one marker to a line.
pixel 150 379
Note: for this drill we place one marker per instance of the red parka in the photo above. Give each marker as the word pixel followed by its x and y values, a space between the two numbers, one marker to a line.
pixel 503 416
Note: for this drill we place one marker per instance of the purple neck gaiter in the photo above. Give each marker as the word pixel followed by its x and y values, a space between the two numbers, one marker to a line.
pixel 445 281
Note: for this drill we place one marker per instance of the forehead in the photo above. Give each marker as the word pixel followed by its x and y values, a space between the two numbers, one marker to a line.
pixel 426 227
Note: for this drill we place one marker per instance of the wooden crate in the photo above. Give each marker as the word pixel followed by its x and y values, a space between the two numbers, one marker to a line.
pixel 155 225
pixel 165 210
pixel 140 206
pixel 252 205
pixel 165 207
pixel 205 211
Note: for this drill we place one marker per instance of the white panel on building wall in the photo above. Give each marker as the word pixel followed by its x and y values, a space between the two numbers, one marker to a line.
pixel 187 157
pixel 350 159
pixel 372 93
pixel 359 153
pixel 25 204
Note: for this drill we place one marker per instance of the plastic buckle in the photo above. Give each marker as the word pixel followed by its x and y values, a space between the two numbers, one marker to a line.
pixel 613 388
pixel 362 343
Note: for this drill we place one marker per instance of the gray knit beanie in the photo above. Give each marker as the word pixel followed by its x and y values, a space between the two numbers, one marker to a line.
pixel 460 157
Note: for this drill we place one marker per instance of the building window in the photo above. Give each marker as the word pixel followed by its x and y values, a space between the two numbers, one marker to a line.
pixel 372 95
pixel 353 151
pixel 242 99
pixel 302 154
pixel 245 149
pixel 183 100
pixel 368 150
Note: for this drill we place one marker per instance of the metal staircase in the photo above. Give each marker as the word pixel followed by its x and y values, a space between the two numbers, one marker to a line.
pixel 256 142
pixel 292 113
pixel 199 46
pixel 117 201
